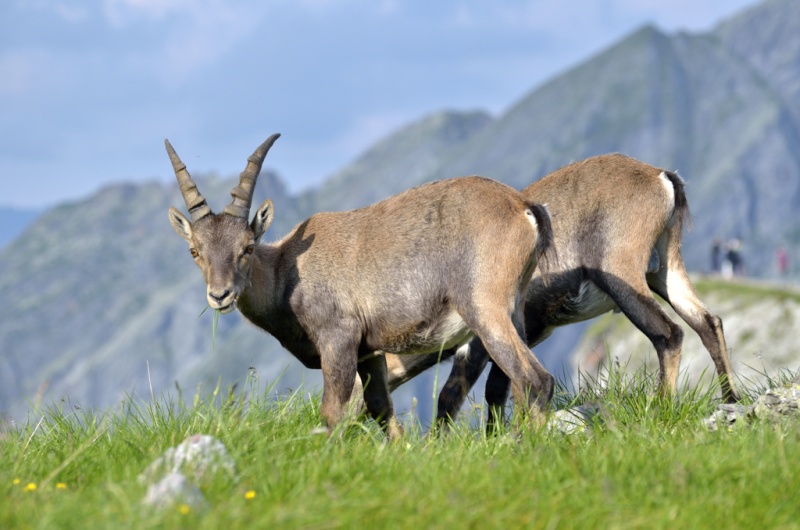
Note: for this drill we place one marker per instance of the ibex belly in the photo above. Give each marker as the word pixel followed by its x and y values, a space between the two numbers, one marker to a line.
pixel 447 331
pixel 587 303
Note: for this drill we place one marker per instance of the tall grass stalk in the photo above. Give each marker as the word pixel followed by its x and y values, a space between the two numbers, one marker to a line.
pixel 435 394
pixel 214 321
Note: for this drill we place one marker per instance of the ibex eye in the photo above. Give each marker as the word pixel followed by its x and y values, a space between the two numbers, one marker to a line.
pixel 194 252
pixel 249 249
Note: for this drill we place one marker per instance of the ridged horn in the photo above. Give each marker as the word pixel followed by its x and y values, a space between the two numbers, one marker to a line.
pixel 243 193
pixel 195 202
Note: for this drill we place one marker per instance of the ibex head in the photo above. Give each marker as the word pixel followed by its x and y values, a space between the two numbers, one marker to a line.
pixel 222 245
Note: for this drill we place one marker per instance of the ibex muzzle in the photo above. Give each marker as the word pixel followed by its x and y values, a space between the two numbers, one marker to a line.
pixel 426 269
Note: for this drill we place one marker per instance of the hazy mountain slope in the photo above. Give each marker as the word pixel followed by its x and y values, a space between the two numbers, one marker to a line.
pixel 744 175
pixel 396 163
pixel 98 287
pixel 13 221
pixel 632 98
pixel 766 37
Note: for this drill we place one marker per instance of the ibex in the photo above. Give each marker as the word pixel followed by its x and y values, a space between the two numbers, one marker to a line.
pixel 617 225
pixel 422 271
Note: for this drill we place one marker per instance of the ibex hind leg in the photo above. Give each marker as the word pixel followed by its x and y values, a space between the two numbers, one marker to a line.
pixel 532 384
pixel 673 284
pixel 498 384
pixel 466 371
pixel 463 376
pixel 496 394
pixel 469 362
pixel 633 297
pixel 372 372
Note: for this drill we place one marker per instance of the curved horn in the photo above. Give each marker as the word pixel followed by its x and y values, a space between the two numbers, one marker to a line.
pixel 243 193
pixel 195 202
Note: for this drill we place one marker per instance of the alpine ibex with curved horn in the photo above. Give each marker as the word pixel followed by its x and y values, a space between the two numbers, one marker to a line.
pixel 617 225
pixel 424 270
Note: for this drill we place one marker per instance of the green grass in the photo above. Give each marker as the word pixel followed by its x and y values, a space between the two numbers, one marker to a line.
pixel 649 464
pixel 745 289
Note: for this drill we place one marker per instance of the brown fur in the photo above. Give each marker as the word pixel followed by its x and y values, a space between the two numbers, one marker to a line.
pixel 422 270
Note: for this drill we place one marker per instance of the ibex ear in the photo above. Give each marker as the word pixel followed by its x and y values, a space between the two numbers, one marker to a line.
pixel 262 220
pixel 180 224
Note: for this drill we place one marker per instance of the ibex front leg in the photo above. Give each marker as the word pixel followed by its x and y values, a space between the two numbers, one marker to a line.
pixel 467 367
pixel 632 296
pixel 339 367
pixel 372 372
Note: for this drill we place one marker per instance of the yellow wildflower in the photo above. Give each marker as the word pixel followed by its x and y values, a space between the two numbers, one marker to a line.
pixel 250 494
pixel 61 486
pixel 184 509
pixel 31 486
pixel 16 481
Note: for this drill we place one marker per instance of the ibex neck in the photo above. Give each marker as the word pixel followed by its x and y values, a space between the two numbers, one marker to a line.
pixel 258 299
pixel 264 304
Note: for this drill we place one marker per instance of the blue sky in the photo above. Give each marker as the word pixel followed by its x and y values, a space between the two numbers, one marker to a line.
pixel 90 89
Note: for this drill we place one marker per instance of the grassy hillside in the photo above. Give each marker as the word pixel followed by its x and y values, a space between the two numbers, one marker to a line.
pixel 650 464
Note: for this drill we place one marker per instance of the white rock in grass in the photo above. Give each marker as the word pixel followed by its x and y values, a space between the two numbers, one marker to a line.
pixel 172 490
pixel 199 457
pixel 573 420
pixel 728 415
pixel 778 403
pixel 773 405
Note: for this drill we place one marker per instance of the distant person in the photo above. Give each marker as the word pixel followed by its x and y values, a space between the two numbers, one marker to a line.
pixel 716 256
pixel 782 261
pixel 734 257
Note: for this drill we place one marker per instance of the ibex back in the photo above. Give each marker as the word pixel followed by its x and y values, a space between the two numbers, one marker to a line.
pixel 422 271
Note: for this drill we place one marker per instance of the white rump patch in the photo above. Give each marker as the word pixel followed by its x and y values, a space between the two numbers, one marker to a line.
pixel 670 189
pixel 531 218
